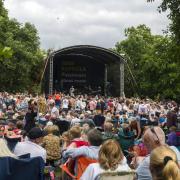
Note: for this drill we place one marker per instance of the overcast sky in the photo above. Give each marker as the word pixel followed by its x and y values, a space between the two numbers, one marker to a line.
pixel 63 23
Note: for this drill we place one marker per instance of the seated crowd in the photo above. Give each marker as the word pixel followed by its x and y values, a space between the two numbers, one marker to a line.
pixel 113 135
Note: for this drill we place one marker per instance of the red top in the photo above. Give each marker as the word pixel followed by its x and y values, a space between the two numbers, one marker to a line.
pixel 57 97
pixel 80 143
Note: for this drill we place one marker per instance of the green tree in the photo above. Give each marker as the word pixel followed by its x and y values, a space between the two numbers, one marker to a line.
pixel 152 61
pixel 21 70
pixel 5 52
pixel 173 7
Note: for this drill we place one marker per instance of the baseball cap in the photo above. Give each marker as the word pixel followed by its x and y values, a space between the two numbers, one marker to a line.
pixel 35 133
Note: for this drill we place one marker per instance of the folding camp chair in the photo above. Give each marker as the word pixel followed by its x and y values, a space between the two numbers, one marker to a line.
pixel 21 169
pixel 81 165
pixel 124 175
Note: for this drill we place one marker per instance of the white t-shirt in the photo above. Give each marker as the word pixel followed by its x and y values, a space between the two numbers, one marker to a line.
pixel 94 169
pixel 29 147
pixel 78 104
pixel 74 121
pixel 83 105
pixel 65 104
pixel 54 112
pixel 142 109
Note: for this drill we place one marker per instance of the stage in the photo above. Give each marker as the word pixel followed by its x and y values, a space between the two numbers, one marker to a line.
pixel 87 68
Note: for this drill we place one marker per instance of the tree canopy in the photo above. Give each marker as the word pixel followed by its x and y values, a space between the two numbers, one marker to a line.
pixel 153 61
pixel 20 54
pixel 173 7
pixel 152 69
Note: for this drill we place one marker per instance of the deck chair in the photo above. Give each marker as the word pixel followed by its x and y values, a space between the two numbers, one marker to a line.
pixel 124 175
pixel 21 169
pixel 81 162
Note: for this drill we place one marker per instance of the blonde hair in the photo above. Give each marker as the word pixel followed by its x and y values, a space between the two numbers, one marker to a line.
pixel 4 150
pixel 51 129
pixel 163 164
pixel 75 132
pixel 110 155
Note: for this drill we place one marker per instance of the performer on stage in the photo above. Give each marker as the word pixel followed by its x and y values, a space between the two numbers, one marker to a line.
pixel 71 91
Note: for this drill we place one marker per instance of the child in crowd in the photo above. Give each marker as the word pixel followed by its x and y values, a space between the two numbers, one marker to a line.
pixel 75 137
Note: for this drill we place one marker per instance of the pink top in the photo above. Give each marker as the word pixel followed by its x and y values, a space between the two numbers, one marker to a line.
pixel 92 105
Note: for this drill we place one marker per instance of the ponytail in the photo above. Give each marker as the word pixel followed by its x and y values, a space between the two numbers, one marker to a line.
pixel 171 171
pixel 163 164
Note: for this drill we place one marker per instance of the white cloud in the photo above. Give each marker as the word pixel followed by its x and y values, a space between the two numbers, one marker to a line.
pixel 62 23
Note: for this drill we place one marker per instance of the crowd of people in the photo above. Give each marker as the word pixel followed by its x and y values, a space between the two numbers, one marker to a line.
pixel 117 134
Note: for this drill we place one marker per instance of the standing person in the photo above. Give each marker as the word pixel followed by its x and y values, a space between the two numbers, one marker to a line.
pixel 42 105
pixel 65 104
pixel 29 120
pixel 57 100
pixel 164 164
pixel 71 91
